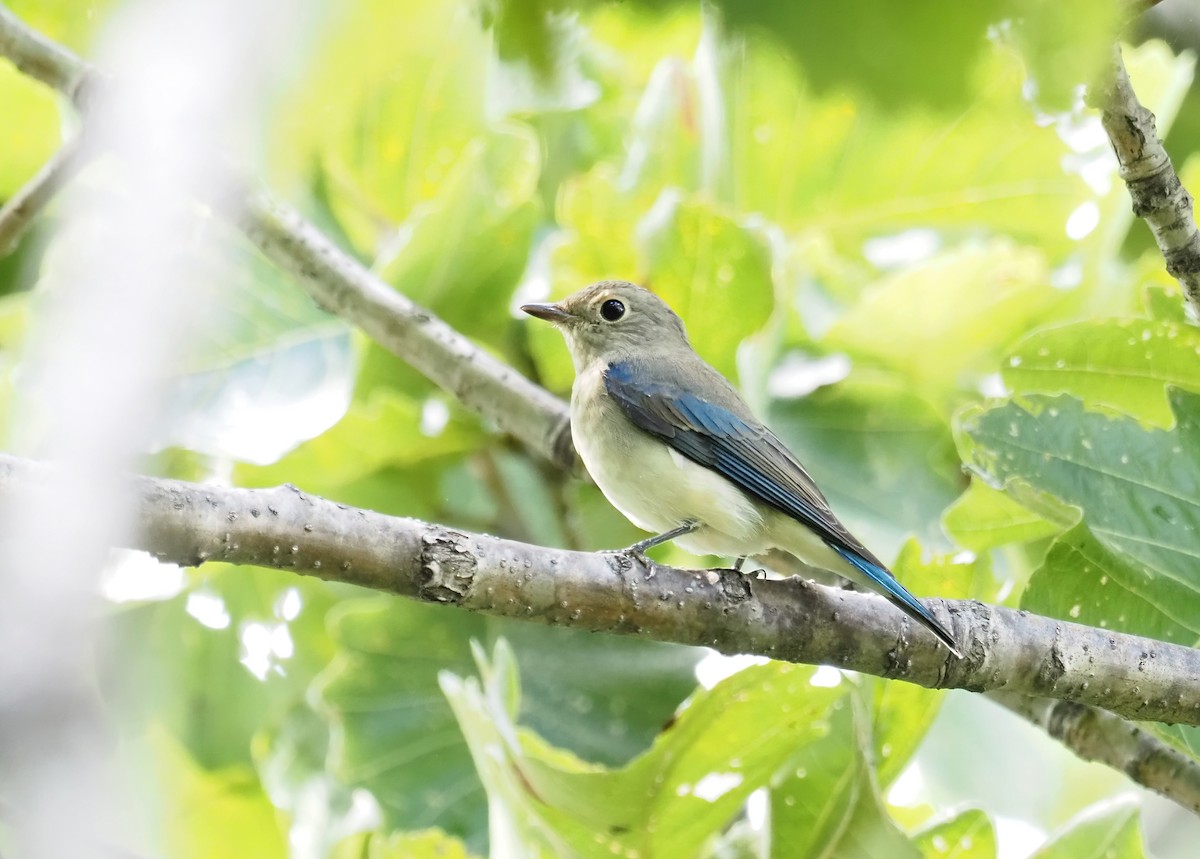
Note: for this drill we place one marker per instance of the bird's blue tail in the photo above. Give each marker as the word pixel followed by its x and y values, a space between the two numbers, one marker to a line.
pixel 899 597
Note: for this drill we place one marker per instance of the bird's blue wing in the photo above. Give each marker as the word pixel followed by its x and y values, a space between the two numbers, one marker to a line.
pixel 739 448
pixel 750 456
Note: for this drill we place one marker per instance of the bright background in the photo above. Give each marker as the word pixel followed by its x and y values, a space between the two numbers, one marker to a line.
pixel 895 225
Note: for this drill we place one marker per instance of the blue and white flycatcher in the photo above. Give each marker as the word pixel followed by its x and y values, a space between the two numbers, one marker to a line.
pixel 673 446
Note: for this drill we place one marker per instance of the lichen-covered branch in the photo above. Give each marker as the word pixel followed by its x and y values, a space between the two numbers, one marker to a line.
pixel 1158 195
pixel 25 205
pixel 789 619
pixel 1095 735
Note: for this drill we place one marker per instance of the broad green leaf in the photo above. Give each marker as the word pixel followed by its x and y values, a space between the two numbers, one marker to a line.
pixel 827 804
pixel 290 755
pixel 1138 489
pixel 430 844
pixel 984 518
pixel 203 813
pixel 392 731
pixel 1107 831
pixel 1124 364
pixel 268 368
pixel 970 305
pixel 712 270
pixel 395 735
pixel 849 170
pixel 884 39
pixel 1043 30
pixel 388 117
pixel 727 742
pixel 461 253
pixel 1083 581
pixel 31 128
pixel 212 664
pixel 883 456
pixel 967 836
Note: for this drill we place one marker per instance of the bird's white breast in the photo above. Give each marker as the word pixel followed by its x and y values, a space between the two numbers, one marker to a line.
pixel 653 485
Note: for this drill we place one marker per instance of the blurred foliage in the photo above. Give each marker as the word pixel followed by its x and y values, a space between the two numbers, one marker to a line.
pixel 893 225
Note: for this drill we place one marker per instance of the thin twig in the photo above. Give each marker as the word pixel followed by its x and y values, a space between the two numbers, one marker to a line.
pixel 20 209
pixel 1096 735
pixel 343 287
pixel 1158 195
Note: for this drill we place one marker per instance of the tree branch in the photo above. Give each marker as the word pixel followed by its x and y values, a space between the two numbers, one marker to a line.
pixel 448 359
pixel 1158 195
pixel 1096 735
pixel 789 619
pixel 40 58
pixel 20 209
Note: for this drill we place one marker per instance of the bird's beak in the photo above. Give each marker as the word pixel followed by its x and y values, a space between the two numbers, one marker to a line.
pixel 550 312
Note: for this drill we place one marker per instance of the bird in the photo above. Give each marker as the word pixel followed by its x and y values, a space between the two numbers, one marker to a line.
pixel 674 447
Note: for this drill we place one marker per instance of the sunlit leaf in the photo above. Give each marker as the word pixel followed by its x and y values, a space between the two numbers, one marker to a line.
pixel 1111 830
pixel 967 836
pixel 966 307
pixel 1125 364
pixel 827 802
pixel 984 518
pixel 726 743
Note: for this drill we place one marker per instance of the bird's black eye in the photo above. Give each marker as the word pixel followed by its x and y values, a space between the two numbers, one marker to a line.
pixel 612 310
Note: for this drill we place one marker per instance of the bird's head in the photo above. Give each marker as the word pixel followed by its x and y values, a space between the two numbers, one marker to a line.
pixel 611 320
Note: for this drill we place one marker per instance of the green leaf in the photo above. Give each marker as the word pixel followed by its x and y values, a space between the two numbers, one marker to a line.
pixel 385 429
pixel 714 271
pixel 1083 581
pixel 828 803
pixel 431 844
pixel 969 835
pixel 870 442
pixel 203 813
pixel 884 38
pixel 973 303
pixel 394 733
pixel 189 678
pixel 270 370
pixel 847 170
pixel 984 518
pixel 726 743
pixel 32 132
pixel 1138 489
pixel 461 253
pixel 1106 831
pixel 1123 364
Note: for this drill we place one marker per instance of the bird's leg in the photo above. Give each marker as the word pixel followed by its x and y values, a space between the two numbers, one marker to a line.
pixel 639 548
pixel 737 565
